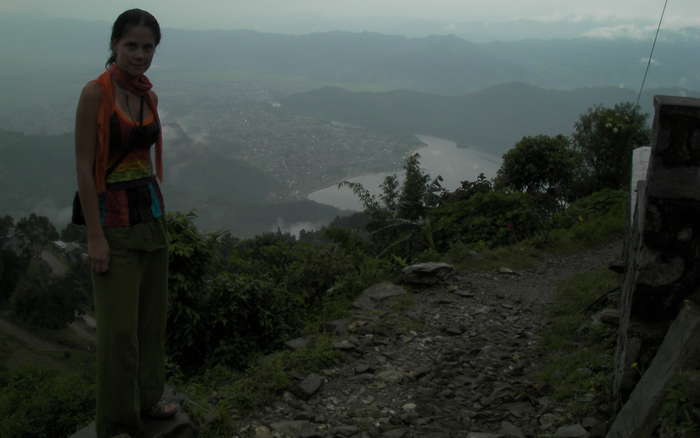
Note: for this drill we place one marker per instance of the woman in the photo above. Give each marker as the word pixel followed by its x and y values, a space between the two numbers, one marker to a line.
pixel 116 126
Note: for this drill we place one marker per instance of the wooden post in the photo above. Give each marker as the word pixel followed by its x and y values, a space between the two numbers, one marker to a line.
pixel 663 245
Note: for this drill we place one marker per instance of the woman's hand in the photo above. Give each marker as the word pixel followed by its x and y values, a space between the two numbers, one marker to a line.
pixel 98 253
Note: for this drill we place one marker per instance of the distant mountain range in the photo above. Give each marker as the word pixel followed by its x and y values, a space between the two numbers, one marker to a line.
pixel 493 119
pixel 72 50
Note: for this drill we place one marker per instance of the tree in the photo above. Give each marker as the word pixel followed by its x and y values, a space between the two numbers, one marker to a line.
pixel 74 233
pixel 467 189
pixel 539 165
pixel 45 301
pixel 34 232
pixel 398 217
pixel 605 137
pixel 6 225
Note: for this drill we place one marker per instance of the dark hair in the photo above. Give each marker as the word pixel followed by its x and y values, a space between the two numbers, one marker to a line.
pixel 128 19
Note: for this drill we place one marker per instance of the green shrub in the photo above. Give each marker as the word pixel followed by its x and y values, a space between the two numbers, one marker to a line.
pixel 38 403
pixel 678 412
pixel 606 202
pixel 246 315
pixel 257 293
pixel 44 301
pixel 496 218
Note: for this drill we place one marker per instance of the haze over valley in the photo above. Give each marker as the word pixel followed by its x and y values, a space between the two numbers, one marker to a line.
pixel 255 122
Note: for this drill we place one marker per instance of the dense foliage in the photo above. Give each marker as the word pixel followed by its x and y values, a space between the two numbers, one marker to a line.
pixel 38 403
pixel 539 165
pixel 606 137
pixel 233 299
pixel 535 191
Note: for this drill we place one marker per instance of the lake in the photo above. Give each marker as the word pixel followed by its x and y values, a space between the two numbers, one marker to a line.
pixel 438 157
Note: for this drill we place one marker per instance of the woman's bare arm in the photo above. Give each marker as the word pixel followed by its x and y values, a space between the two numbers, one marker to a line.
pixel 85 147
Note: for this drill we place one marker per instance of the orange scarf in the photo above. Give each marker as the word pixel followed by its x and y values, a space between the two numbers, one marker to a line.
pixel 138 85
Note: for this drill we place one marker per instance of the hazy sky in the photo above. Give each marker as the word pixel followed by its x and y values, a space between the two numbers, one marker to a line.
pixel 266 14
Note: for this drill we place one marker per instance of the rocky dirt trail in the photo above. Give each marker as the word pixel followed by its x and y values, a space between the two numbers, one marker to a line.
pixel 449 360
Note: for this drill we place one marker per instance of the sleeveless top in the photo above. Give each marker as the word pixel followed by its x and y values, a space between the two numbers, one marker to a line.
pixel 132 193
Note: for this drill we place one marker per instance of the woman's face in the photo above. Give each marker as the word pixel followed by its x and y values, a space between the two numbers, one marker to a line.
pixel 134 50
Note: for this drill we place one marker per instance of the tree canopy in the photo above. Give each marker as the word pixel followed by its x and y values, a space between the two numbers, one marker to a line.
pixel 605 137
pixel 538 165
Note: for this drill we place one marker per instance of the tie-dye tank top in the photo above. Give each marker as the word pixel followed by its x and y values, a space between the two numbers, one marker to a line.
pixel 133 195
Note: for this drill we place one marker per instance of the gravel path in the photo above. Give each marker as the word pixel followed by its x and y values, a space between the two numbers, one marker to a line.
pixel 448 361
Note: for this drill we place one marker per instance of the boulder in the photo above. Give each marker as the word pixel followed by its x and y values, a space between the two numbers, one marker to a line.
pixel 369 298
pixel 308 387
pixel 426 274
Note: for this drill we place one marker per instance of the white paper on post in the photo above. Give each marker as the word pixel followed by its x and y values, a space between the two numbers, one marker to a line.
pixel 640 165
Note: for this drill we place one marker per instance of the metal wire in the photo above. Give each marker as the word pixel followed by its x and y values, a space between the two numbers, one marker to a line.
pixel 653 46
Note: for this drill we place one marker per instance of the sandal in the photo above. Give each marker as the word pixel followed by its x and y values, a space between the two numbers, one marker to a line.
pixel 162 410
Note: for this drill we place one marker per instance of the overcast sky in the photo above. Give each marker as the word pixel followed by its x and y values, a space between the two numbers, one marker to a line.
pixel 271 15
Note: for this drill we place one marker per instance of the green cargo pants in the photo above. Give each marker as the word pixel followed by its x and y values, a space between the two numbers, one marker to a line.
pixel 131 310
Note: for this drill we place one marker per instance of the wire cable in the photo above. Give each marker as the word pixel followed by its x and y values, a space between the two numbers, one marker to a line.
pixel 653 46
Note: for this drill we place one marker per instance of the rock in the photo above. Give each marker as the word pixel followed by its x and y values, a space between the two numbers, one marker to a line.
pixel 464 293
pixel 608 316
pixel 419 372
pixel 590 422
pixel 308 387
pixel 509 430
pixel 571 431
pixel 484 435
pixel 363 368
pixel 345 430
pixel 454 330
pixel 600 430
pixel 519 409
pixel 296 428
pixel 409 407
pixel 338 327
pixel 426 273
pixel 369 298
pixel 548 421
pixel 391 376
pixel 344 345
pixel 297 343
pixel 394 433
pixel 262 432
pixel 445 299
pixel 618 265
pixel 507 271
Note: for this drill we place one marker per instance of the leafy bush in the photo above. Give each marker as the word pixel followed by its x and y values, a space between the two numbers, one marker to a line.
pixel 38 403
pixel 45 301
pixel 231 300
pixel 603 203
pixel 247 315
pixel 189 258
pixel 496 218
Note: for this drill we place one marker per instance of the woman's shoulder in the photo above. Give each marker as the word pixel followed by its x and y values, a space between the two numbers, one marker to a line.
pixel 92 91
pixel 154 96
